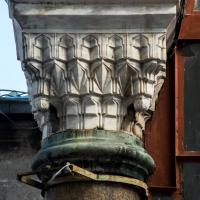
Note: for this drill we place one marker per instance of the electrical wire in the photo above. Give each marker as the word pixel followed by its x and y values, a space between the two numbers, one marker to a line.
pixel 19 94
pixel 15 125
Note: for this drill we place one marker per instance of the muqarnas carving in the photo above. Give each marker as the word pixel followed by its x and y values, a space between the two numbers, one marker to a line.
pixel 86 81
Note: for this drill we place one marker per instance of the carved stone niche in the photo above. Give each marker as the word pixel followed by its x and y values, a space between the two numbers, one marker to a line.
pixel 94 70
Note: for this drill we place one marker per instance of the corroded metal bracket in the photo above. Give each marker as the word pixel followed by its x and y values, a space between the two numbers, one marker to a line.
pixel 26 179
pixel 83 175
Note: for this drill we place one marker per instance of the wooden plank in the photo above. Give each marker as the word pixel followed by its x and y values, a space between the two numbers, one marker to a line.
pixel 159 135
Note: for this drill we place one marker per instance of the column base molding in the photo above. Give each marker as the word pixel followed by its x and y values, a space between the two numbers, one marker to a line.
pixel 98 151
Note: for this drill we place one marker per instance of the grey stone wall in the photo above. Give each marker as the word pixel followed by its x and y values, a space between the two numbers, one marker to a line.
pixel 19 142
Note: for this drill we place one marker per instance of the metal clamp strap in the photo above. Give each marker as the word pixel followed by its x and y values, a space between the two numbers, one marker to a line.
pixel 83 172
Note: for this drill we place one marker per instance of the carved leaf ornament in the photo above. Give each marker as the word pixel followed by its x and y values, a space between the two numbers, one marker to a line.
pixel 94 81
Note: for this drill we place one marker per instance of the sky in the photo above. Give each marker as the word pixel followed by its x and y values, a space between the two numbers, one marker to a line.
pixel 11 74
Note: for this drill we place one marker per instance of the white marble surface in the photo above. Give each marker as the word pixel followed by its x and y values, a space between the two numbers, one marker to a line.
pixel 93 64
pixel 91 79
